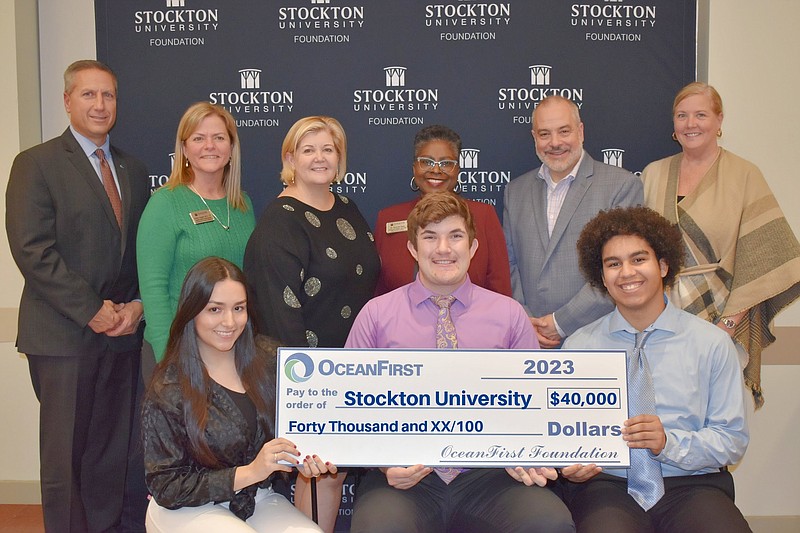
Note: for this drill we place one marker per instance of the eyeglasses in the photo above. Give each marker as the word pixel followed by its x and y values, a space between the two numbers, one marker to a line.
pixel 428 164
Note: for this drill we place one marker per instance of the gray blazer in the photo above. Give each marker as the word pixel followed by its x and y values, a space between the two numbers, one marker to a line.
pixel 65 241
pixel 545 277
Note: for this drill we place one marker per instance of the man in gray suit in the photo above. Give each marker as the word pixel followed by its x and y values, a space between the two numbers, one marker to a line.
pixel 545 211
pixel 72 209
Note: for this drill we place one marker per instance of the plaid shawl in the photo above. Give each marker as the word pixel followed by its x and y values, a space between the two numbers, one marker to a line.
pixel 741 253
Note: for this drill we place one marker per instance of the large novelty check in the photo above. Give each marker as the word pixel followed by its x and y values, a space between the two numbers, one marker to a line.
pixel 469 408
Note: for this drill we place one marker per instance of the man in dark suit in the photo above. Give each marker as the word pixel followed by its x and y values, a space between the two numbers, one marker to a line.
pixel 545 211
pixel 72 230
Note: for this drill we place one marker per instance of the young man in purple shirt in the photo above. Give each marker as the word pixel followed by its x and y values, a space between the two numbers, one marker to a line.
pixel 417 498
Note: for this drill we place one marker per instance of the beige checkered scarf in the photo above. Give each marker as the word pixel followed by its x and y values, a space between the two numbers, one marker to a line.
pixel 741 252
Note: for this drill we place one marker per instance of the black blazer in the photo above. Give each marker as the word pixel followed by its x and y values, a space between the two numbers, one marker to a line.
pixel 173 476
pixel 65 241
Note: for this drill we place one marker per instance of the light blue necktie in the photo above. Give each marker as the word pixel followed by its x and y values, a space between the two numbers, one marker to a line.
pixel 645 482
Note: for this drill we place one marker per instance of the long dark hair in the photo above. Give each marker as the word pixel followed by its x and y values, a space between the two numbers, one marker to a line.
pixel 183 355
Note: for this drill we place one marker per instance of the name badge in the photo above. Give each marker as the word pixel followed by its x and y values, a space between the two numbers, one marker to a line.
pixel 397 226
pixel 201 217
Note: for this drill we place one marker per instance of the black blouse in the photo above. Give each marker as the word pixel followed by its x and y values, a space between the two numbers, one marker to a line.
pixel 173 477
pixel 310 272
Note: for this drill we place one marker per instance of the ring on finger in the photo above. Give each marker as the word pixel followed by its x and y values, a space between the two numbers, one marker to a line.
pixel 275 456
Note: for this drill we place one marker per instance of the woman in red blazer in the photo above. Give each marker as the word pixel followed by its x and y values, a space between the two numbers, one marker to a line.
pixel 435 167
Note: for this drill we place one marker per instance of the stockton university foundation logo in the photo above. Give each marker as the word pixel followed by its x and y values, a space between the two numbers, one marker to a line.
pixel 468 20
pixel 251 105
pixel 320 22
pixel 612 20
pixel 525 99
pixel 298 367
pixel 176 25
pixel 396 102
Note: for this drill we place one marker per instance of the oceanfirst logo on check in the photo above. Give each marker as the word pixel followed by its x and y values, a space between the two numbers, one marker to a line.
pixel 299 368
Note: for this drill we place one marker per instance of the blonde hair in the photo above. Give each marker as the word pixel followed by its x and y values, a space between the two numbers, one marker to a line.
pixel 695 88
pixel 313 124
pixel 183 174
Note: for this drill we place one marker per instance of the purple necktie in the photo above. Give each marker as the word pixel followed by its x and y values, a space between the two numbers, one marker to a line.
pixel 446 338
pixel 445 329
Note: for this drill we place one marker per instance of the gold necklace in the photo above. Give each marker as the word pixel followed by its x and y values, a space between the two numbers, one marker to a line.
pixel 226 228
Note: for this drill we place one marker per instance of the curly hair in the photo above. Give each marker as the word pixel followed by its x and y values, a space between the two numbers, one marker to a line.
pixel 663 237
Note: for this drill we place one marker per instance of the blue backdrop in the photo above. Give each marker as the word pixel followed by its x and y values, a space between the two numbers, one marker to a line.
pixel 387 68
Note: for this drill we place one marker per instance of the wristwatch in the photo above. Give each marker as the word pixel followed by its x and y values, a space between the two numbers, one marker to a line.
pixel 728 323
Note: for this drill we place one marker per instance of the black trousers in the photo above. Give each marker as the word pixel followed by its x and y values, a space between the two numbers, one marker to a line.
pixel 85 418
pixel 477 501
pixel 692 504
pixel 136 498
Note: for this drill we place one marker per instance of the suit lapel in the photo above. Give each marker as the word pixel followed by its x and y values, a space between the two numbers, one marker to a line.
pixel 577 190
pixel 539 203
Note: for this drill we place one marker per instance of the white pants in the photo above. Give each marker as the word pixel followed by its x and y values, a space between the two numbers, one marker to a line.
pixel 273 514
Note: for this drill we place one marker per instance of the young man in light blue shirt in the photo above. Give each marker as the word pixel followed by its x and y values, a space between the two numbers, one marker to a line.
pixel 696 423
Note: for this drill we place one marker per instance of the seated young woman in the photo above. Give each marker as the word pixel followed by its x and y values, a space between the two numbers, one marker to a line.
pixel 208 422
